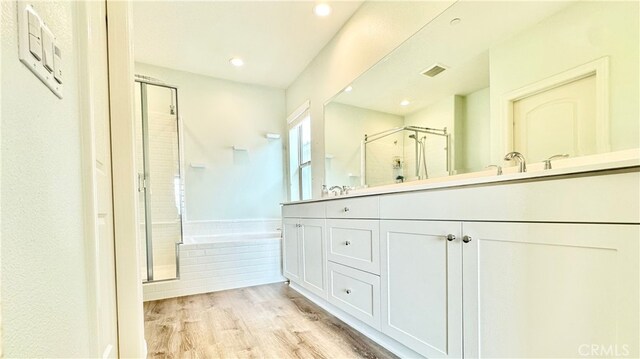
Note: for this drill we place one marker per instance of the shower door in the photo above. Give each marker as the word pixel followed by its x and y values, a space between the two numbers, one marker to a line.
pixel 159 180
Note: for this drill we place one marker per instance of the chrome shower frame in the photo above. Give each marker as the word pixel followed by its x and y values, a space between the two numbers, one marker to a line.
pixel 415 129
pixel 145 81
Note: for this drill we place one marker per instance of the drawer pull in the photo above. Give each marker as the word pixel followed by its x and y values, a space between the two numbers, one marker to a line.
pixel 347 243
pixel 348 291
pixel 466 239
pixel 346 209
pixel 451 237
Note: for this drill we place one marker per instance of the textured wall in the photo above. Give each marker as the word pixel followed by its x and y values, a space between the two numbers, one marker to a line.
pixel 44 289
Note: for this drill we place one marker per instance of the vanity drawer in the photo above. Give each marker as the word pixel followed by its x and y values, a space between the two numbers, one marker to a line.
pixel 304 210
pixel 365 207
pixel 355 243
pixel 355 292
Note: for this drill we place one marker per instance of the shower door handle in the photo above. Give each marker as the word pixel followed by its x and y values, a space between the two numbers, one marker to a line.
pixel 141 182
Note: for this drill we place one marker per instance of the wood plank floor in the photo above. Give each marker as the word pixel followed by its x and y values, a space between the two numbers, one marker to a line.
pixel 269 321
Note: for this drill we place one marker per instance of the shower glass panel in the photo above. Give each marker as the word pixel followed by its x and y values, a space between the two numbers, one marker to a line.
pixel 159 180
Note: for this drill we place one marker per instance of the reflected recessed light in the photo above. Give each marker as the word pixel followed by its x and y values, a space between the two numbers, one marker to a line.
pixel 404 103
pixel 348 89
pixel 455 21
pixel 236 61
pixel 322 9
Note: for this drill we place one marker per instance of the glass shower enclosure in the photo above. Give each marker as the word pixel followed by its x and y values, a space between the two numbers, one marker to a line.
pixel 160 186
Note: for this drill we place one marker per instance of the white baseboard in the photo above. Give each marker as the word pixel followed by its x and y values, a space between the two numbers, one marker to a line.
pixel 371 333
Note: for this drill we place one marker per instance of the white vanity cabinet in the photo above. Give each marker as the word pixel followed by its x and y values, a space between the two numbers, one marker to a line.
pixel 291 249
pixel 550 290
pixel 304 253
pixel 354 243
pixel 443 274
pixel 422 286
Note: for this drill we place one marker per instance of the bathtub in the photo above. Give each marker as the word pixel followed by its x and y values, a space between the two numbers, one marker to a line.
pixel 209 263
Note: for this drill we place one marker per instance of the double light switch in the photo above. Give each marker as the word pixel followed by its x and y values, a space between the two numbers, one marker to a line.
pixel 38 49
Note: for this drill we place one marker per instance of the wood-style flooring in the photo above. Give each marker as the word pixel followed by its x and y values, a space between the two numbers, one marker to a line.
pixel 268 321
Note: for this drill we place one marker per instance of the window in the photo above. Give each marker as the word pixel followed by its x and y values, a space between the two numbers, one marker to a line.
pixel 300 154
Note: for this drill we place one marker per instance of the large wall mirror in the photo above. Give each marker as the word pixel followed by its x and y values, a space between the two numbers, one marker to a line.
pixel 487 78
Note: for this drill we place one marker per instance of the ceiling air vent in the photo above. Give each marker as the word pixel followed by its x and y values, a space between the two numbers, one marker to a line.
pixel 434 70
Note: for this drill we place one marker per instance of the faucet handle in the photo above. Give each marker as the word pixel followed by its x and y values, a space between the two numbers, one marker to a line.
pixel 547 162
pixel 498 169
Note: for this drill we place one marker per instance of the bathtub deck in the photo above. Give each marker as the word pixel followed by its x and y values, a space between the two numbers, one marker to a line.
pixel 268 321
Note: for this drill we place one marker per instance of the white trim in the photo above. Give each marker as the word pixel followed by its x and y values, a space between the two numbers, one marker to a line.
pixel 599 68
pixel 121 94
pixel 297 113
pixel 89 32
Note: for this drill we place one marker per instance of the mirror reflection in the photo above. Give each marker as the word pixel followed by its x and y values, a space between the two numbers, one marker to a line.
pixel 484 79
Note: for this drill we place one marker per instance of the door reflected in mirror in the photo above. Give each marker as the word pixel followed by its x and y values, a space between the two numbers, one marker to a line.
pixel 487 78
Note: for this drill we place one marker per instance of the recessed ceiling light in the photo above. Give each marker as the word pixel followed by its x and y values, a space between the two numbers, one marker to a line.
pixel 348 89
pixel 322 9
pixel 455 21
pixel 236 61
pixel 404 103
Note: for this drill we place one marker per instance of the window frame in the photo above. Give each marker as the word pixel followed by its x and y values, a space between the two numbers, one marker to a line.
pixel 295 121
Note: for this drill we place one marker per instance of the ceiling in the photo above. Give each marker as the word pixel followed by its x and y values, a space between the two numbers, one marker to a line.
pixel 463 48
pixel 276 39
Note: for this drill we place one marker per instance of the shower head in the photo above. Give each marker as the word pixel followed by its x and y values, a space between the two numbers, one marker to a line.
pixel 412 136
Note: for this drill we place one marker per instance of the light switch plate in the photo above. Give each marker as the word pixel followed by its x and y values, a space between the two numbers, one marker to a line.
pixel 30 38
pixel 47 49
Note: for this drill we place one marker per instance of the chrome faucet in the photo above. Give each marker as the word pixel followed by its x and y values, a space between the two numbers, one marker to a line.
pixel 547 162
pixel 519 158
pixel 332 189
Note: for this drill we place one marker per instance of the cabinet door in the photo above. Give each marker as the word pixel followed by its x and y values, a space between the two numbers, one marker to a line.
pixel 550 290
pixel 421 280
pixel 291 249
pixel 313 249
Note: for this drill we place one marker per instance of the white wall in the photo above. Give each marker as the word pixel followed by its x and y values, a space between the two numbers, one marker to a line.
pixel 45 306
pixel 218 114
pixel 346 125
pixel 473 133
pixel 373 32
pixel 581 33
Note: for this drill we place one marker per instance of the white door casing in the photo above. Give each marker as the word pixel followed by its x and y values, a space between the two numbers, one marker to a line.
pixel 97 176
pixel 129 282
pixel 599 69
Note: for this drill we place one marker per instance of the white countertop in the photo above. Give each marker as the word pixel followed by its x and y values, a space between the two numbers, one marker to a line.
pixel 566 167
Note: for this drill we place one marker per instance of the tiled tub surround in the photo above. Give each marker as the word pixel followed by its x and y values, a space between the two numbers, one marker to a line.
pixel 232 226
pixel 222 261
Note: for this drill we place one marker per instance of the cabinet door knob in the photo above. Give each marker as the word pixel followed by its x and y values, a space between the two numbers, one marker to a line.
pixel 466 239
pixel 451 237
pixel 347 243
pixel 346 209
pixel 348 291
